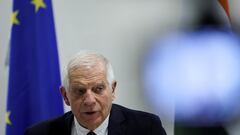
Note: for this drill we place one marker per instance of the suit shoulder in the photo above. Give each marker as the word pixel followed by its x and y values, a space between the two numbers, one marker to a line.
pixel 58 124
pixel 134 113
pixel 138 121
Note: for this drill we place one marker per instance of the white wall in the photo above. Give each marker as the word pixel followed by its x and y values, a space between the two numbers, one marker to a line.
pixel 5 6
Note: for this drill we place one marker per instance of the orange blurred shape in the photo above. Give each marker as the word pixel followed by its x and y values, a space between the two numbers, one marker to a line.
pixel 225 5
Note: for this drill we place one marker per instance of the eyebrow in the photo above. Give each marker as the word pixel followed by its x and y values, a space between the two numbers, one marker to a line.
pixel 100 83
pixel 79 84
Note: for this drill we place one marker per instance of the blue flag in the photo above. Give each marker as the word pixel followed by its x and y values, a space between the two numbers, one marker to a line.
pixel 34 77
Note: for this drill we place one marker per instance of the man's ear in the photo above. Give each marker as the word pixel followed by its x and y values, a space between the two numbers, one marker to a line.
pixel 64 95
pixel 114 85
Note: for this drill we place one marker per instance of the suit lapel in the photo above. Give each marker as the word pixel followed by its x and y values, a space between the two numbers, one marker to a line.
pixel 62 125
pixel 116 124
pixel 68 123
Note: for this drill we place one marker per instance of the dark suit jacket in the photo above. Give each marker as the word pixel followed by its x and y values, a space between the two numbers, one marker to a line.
pixel 122 121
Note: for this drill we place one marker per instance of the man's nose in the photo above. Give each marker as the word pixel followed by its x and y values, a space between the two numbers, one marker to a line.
pixel 89 98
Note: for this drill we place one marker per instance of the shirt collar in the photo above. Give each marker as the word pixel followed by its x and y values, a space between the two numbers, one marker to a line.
pixel 100 130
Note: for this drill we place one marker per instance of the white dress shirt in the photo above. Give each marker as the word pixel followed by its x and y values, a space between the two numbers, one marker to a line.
pixel 77 129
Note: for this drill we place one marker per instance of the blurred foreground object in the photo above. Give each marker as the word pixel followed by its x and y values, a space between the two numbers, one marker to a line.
pixel 199 73
pixel 188 130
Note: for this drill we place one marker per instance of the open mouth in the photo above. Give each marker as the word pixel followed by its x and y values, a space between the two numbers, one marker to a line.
pixel 90 113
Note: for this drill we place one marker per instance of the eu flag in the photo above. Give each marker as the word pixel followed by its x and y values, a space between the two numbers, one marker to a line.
pixel 34 77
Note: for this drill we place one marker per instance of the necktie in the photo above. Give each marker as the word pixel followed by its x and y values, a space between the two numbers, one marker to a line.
pixel 91 133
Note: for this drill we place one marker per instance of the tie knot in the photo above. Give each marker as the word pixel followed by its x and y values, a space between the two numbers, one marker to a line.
pixel 91 133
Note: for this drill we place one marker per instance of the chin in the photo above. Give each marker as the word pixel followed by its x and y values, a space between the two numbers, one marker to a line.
pixel 94 123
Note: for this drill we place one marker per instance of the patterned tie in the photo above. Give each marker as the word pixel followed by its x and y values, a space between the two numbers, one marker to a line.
pixel 91 133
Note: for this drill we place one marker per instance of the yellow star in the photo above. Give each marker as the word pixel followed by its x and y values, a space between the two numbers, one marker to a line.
pixel 7 118
pixel 14 18
pixel 38 4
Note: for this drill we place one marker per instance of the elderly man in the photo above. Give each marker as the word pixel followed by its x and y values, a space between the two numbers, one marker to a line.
pixel 89 89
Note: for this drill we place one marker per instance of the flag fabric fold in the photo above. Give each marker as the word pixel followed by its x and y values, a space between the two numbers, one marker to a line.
pixel 34 77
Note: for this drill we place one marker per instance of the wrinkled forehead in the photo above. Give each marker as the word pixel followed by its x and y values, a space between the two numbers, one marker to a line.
pixel 87 69
pixel 95 71
pixel 86 62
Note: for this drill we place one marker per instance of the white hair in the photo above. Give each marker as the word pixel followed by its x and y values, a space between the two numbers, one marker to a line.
pixel 87 59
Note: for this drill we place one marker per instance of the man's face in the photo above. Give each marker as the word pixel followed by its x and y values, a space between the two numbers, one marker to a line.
pixel 90 96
